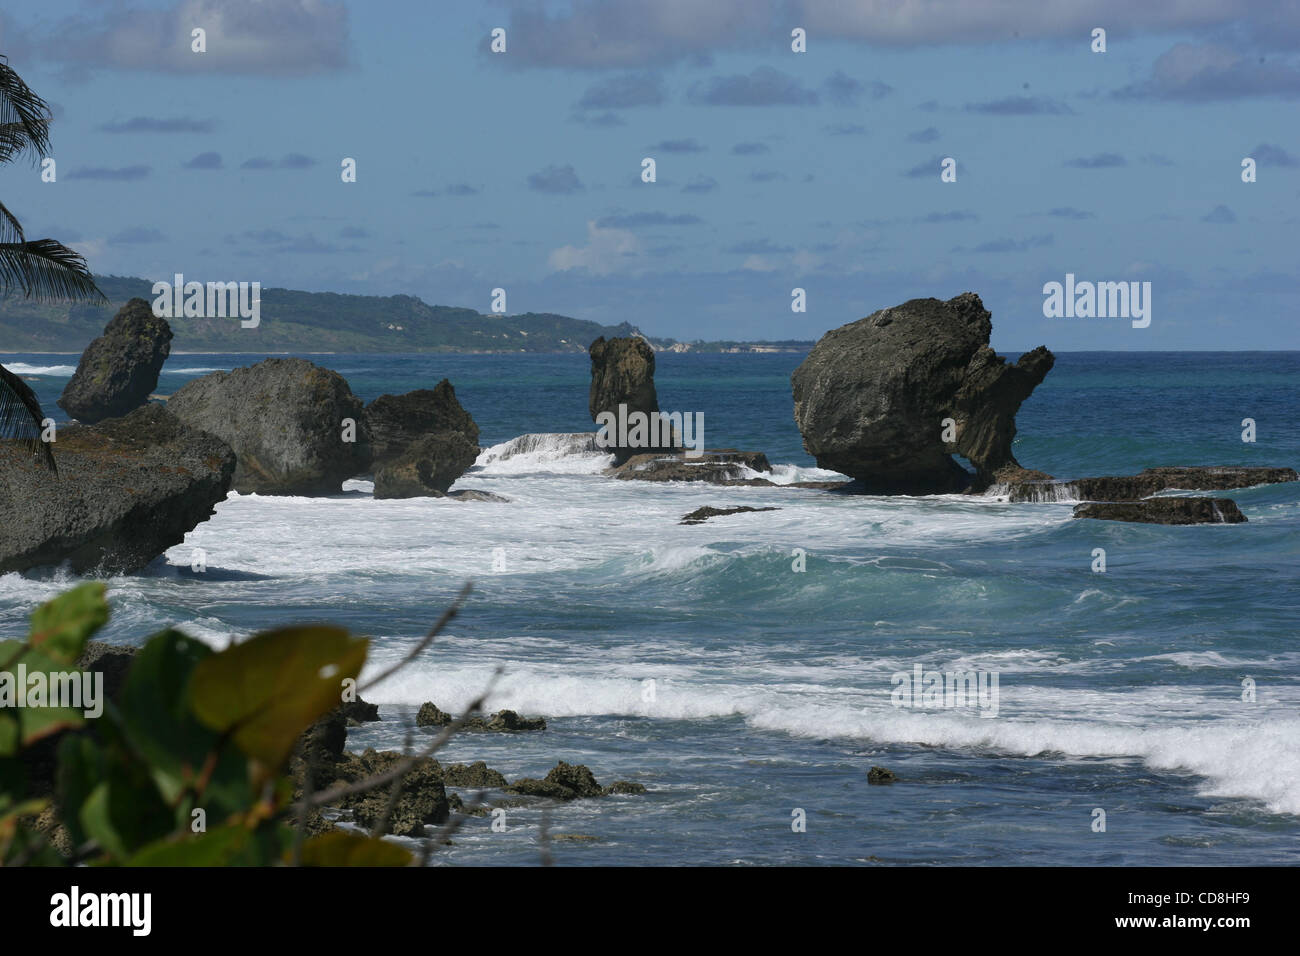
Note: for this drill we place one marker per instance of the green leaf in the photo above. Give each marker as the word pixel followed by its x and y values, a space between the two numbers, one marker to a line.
pixel 36 718
pixel 225 846
pixel 269 689
pixel 154 704
pixel 61 627
pixel 340 848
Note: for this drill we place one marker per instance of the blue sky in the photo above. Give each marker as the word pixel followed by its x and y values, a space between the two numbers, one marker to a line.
pixel 776 169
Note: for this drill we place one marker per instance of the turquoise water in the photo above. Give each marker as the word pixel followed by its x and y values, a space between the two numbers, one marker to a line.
pixel 1118 691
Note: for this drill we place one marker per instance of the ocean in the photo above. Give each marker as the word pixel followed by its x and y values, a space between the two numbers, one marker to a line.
pixel 750 696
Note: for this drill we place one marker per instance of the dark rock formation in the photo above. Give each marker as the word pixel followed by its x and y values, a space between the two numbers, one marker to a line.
pixel 127 490
pixel 395 422
pixel 111 660
pixel 1133 487
pixel 622 373
pixel 625 787
pixel 564 782
pixel 1165 511
pixel 427 467
pixel 119 370
pixel 477 775
pixel 503 721
pixel 722 466
pixel 871 397
pixel 422 797
pixel 879 775
pixel 476 494
pixel 700 515
pixel 286 419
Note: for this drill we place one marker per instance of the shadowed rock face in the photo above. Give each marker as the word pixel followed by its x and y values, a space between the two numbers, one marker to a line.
pixel 1165 511
pixel 396 421
pixel 119 370
pixel 285 420
pixel 1145 483
pixel 427 468
pixel 871 397
pixel 126 491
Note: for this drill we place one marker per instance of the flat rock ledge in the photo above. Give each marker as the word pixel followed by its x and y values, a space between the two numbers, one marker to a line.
pixel 1164 511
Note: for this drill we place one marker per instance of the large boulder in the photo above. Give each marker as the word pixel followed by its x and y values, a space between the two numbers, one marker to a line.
pixel 872 396
pixel 1144 484
pixel 623 374
pixel 427 467
pixel 288 422
pixel 395 422
pixel 127 489
pixel 119 370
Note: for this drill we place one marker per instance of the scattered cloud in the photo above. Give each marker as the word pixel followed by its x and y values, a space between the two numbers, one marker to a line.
pixel 678 146
pixel 1097 161
pixel 1069 212
pixel 1014 245
pixel 701 184
pixel 1268 155
pixel 1220 215
pixel 639 219
pixel 148 124
pixel 607 250
pixel 624 92
pixel 1021 106
pixel 927 135
pixel 765 86
pixel 1209 72
pixel 750 149
pixel 556 180
pixel 207 160
pixel 137 235
pixel 124 174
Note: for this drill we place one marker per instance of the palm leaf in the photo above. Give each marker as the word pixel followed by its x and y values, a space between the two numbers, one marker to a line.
pixel 11 230
pixel 21 416
pixel 24 117
pixel 45 269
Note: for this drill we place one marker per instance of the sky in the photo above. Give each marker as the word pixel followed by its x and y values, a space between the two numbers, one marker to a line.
pixel 775 169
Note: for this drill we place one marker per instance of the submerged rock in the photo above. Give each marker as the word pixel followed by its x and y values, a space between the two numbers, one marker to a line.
pixel 569 782
pixel 700 515
pixel 503 721
pixel 127 489
pixel 288 422
pixel 881 775
pixel 477 775
pixel 119 370
pixel 872 396
pixel 1165 511
pixel 722 466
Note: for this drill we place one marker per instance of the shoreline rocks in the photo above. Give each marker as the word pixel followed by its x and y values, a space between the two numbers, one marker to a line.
pixel 503 721
pixel 288 422
pixel 719 466
pixel 700 515
pixel 421 442
pixel 622 374
pixel 119 370
pixel 872 397
pixel 127 489
pixel 1168 510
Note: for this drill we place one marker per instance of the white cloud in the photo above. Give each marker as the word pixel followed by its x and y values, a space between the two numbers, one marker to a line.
pixel 606 251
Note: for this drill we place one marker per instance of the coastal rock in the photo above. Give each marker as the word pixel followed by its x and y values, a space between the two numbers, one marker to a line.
pixel 127 489
pixel 287 421
pixel 503 721
pixel 622 373
pixel 477 775
pixel 427 467
pixel 477 494
pixel 723 466
pixel 700 515
pixel 111 660
pixel 118 371
pixel 624 787
pixel 1164 511
pixel 396 422
pixel 881 775
pixel 871 397
pixel 545 447
pixel 564 782
pixel 421 800
pixel 1133 487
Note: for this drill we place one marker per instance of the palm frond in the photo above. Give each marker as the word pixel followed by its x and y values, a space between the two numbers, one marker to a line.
pixel 24 117
pixel 46 270
pixel 11 230
pixel 21 416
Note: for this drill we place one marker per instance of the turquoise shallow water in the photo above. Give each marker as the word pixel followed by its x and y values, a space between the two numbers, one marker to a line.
pixel 771 692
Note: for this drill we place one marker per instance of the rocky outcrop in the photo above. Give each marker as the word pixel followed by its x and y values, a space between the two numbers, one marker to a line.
pixel 427 468
pixel 721 466
pixel 1164 511
pixel 395 422
pixel 421 798
pixel 477 775
pixel 881 775
pixel 571 782
pixel 503 721
pixel 127 489
pixel 289 422
pixel 700 515
pixel 622 374
pixel 119 370
pixel 1133 487
pixel 872 396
